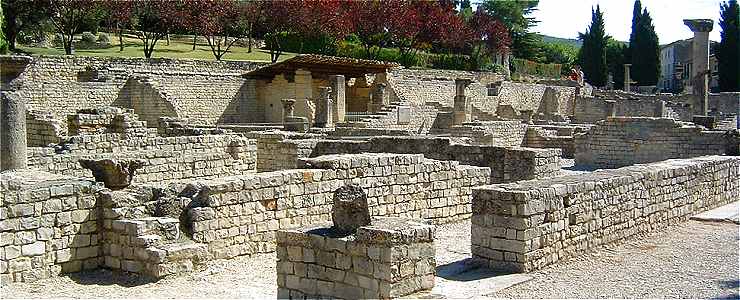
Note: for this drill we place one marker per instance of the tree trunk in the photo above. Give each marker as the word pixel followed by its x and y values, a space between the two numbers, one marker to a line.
pixel 11 32
pixel 195 39
pixel 120 39
pixel 67 44
pixel 168 39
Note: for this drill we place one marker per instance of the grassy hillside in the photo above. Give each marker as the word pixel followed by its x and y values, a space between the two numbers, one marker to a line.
pixel 133 47
pixel 557 40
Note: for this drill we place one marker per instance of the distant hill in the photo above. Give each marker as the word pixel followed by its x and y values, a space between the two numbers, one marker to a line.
pixel 554 40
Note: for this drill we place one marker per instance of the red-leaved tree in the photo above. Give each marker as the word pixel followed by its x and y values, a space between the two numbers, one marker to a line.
pixel 370 21
pixel 320 18
pixel 219 21
pixel 278 22
pixel 492 36
pixel 119 16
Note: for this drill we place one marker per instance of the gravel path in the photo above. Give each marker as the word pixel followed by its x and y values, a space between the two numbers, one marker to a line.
pixel 691 260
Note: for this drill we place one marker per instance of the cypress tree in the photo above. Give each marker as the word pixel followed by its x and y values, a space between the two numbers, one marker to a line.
pixel 728 54
pixel 645 52
pixel 636 14
pixel 592 56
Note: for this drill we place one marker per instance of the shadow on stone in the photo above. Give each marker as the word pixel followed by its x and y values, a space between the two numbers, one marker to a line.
pixel 467 270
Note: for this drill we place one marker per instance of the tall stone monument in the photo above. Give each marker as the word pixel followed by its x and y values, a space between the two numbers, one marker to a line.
pixel 12 133
pixel 627 78
pixel 700 72
pixel 324 111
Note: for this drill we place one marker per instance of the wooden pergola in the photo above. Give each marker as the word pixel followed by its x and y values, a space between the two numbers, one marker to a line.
pixel 323 65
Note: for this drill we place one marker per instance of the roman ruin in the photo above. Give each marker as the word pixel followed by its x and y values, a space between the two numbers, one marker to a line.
pixel 341 169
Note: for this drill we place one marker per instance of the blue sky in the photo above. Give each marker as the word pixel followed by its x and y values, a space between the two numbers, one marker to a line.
pixel 565 18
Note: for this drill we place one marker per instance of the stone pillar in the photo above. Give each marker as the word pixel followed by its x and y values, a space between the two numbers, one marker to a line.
pixel 288 108
pixel 12 133
pixel 660 109
pixel 304 106
pixel 339 98
pixel 377 98
pixel 627 78
pixel 461 108
pixel 323 109
pixel 611 109
pixel 700 62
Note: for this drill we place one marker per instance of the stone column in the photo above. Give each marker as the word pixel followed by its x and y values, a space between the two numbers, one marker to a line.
pixel 461 108
pixel 323 109
pixel 611 109
pixel 377 98
pixel 350 210
pixel 12 133
pixel 288 108
pixel 700 62
pixel 339 97
pixel 627 78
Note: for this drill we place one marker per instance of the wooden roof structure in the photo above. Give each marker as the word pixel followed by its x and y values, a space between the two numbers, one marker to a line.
pixel 322 64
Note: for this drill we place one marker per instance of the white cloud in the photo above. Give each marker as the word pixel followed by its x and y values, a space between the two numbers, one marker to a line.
pixel 565 18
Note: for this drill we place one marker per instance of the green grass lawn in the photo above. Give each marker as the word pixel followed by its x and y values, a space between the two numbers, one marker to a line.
pixel 133 47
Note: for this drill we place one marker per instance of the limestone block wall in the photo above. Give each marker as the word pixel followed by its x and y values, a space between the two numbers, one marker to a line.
pixel 591 110
pixel 241 214
pixel 624 141
pixel 165 159
pixel 544 137
pixel 506 164
pixel 43 129
pixel 62 84
pixel 48 226
pixel 145 97
pixel 527 225
pixel 489 133
pixel 389 259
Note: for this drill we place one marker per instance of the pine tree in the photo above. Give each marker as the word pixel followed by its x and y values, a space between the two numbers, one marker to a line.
pixel 592 56
pixel 615 58
pixel 645 51
pixel 728 54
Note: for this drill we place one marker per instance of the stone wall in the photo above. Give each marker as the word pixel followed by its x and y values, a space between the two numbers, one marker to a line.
pixel 527 225
pixel 624 141
pixel 560 137
pixel 43 129
pixel 241 214
pixel 48 226
pixel 591 109
pixel 61 85
pixel 489 133
pixel 388 259
pixel 165 159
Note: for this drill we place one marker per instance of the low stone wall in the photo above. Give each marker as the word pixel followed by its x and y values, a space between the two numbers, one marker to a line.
pixel 388 259
pixel 240 214
pixel 549 137
pixel 527 225
pixel 591 109
pixel 624 141
pixel 48 226
pixel 489 133
pixel 165 159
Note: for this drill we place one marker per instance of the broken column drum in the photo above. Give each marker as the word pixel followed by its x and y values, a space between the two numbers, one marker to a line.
pixel 461 109
pixel 114 174
pixel 350 210
pixel 12 133
pixel 288 108
pixel 324 110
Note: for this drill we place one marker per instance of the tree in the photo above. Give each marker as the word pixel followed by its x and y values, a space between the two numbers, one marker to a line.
pixel 645 57
pixel 119 16
pixel 22 14
pixel 560 53
pixel 616 53
pixel 3 42
pixel 514 15
pixel 68 16
pixel 728 54
pixel 369 21
pixel 219 21
pixel 592 56
pixel 636 14
pixel 251 15
pixel 153 20
pixel 279 21
pixel 324 19
pixel 491 37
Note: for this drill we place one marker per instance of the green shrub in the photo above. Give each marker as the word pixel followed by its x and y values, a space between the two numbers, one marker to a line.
pixel 526 67
pixel 103 38
pixel 87 38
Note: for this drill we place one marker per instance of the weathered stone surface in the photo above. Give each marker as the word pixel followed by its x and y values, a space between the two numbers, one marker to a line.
pixel 115 174
pixel 350 210
pixel 12 132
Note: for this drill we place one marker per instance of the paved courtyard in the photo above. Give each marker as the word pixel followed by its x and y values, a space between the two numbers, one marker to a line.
pixel 691 260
